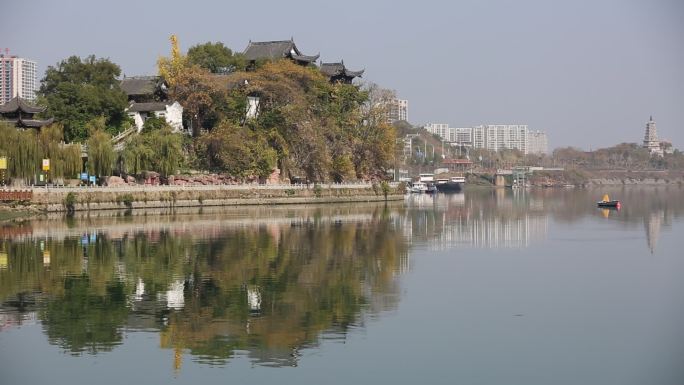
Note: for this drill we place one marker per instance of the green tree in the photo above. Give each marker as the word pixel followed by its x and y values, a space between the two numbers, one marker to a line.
pixel 236 150
pixel 101 155
pixel 77 90
pixel 137 155
pixel 157 148
pixel 167 150
pixel 215 57
pixel 23 151
pixel 65 160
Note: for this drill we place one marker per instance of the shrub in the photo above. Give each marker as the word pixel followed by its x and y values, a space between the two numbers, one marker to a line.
pixel 126 199
pixel 385 187
pixel 318 190
pixel 70 202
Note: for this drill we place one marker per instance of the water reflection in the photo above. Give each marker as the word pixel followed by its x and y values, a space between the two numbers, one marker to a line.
pixel 211 286
pixel 505 218
pixel 492 221
pixel 266 282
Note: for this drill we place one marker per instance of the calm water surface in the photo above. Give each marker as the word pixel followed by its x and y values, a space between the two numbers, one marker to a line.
pixel 486 287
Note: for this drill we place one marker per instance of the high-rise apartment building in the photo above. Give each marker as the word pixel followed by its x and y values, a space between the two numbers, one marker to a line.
pixel 18 77
pixel 537 143
pixel 459 135
pixel 397 110
pixel 494 137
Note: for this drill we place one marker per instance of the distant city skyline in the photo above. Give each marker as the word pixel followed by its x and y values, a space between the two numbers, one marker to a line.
pixel 589 73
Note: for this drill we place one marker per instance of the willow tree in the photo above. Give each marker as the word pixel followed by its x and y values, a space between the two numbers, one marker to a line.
pixel 168 150
pixel 137 155
pixel 65 160
pixel 101 155
pixel 22 150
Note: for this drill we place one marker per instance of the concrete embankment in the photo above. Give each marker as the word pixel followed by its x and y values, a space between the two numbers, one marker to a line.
pixel 136 197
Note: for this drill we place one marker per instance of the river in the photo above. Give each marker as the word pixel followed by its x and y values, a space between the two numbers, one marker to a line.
pixel 485 287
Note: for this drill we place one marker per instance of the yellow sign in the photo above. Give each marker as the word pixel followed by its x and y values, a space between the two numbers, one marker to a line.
pixel 46 164
pixel 46 258
pixel 3 163
pixel 3 261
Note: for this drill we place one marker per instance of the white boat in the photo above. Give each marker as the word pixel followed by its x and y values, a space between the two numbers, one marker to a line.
pixel 426 177
pixel 418 187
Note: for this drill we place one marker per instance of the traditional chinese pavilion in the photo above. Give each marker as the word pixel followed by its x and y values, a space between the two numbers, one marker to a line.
pixel 20 113
pixel 338 73
pixel 273 50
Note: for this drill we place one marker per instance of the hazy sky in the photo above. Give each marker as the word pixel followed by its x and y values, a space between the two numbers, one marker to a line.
pixel 588 72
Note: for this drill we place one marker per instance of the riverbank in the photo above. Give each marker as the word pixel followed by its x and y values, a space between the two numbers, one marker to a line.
pixel 48 200
pixel 585 178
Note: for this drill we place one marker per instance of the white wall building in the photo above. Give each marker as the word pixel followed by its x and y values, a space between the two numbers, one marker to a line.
pixel 18 78
pixel 460 135
pixel 494 137
pixel 537 143
pixel 172 112
pixel 398 110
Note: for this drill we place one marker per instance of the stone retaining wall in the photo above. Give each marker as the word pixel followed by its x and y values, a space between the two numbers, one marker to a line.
pixel 55 200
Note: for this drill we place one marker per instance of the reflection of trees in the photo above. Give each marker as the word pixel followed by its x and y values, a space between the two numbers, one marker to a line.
pixel 315 278
pixel 82 320
pixel 269 289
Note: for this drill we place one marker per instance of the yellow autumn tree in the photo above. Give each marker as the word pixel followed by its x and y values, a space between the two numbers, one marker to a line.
pixel 170 68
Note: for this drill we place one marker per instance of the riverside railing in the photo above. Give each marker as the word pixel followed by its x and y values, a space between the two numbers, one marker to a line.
pixel 209 187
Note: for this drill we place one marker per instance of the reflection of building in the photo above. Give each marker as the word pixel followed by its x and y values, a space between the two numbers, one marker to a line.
pixel 493 232
pixel 445 223
pixel 18 78
pixel 652 223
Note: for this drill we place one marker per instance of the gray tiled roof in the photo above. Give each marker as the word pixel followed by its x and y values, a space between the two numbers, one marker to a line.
pixel 140 85
pixel 273 50
pixel 149 107
pixel 339 69
pixel 18 103
pixel 35 123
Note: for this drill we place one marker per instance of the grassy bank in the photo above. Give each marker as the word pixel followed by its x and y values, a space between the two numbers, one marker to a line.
pixel 7 214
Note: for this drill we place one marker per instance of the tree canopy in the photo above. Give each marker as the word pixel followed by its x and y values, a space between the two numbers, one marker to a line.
pixel 77 90
pixel 215 57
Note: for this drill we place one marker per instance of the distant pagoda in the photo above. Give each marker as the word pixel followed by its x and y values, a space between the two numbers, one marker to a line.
pixel 651 141
pixel 338 73
pixel 274 50
pixel 20 113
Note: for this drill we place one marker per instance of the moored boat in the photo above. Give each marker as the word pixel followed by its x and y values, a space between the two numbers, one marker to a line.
pixel 607 202
pixel 453 184
pixel 418 187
